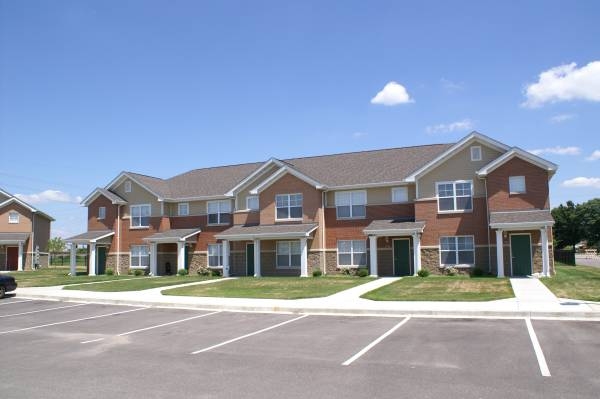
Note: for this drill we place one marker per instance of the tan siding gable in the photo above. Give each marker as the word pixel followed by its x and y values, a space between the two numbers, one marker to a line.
pixel 138 195
pixel 375 196
pixel 245 192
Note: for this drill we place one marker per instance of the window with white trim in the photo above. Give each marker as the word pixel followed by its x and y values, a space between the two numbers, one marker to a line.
pixel 140 215
pixel 516 184
pixel 352 253
pixel 13 217
pixel 400 194
pixel 101 212
pixel 128 186
pixel 215 255
pixel 140 256
pixel 288 254
pixel 457 251
pixel 252 202
pixel 476 153
pixel 288 206
pixel 219 212
pixel 183 209
pixel 455 196
pixel 351 204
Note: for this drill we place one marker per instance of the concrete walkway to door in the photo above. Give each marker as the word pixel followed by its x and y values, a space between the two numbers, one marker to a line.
pixel 531 293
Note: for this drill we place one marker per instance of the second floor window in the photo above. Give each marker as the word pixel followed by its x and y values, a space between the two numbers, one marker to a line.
pixel 219 212
pixel 288 206
pixel 13 217
pixel 140 215
pixel 351 204
pixel 101 212
pixel 516 184
pixel 455 196
pixel 183 209
pixel 252 203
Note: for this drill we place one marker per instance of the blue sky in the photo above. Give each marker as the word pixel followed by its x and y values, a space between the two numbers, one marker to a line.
pixel 91 88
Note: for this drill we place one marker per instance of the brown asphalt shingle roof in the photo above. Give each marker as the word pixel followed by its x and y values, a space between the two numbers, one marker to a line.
pixel 267 230
pixel 13 237
pixel 516 217
pixel 390 224
pixel 88 236
pixel 173 234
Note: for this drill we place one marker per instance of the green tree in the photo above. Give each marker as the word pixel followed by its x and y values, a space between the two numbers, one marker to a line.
pixel 567 225
pixel 589 217
pixel 56 244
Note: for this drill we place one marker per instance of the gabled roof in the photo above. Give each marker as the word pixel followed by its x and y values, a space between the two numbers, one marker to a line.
pixel 114 198
pixel 153 185
pixel 285 169
pixel 90 236
pixel 516 152
pixel 24 204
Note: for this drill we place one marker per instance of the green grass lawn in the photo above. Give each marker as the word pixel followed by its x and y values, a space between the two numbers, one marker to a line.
pixel 575 282
pixel 443 288
pixel 50 276
pixel 272 287
pixel 138 283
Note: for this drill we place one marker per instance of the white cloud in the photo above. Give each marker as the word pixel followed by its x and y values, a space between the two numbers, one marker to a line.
pixel 358 135
pixel 465 124
pixel 565 83
pixel 451 86
pixel 558 150
pixel 577 182
pixel 49 196
pixel 562 118
pixel 392 94
pixel 594 157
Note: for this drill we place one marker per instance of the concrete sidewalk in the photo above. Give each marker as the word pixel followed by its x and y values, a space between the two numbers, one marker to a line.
pixel 345 302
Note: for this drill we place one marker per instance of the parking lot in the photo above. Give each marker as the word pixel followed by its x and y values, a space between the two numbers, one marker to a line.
pixel 57 349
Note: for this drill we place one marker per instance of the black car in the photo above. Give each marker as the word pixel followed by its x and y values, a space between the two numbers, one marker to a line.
pixel 7 283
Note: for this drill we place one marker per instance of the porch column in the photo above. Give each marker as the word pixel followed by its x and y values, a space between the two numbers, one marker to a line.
pixel 73 259
pixel 303 257
pixel 373 255
pixel 500 253
pixel 545 254
pixel 153 258
pixel 92 271
pixel 225 258
pixel 256 258
pixel 180 255
pixel 417 252
pixel 20 260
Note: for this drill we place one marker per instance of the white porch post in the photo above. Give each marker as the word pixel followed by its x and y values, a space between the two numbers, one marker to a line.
pixel 545 254
pixel 180 255
pixel 500 253
pixel 373 255
pixel 92 259
pixel 20 260
pixel 73 259
pixel 225 258
pixel 417 252
pixel 257 258
pixel 303 257
pixel 153 258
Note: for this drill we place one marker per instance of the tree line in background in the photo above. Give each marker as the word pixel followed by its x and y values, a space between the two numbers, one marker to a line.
pixel 576 222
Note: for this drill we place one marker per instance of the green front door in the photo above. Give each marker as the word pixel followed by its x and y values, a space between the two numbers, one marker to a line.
pixel 101 261
pixel 250 259
pixel 186 256
pixel 520 248
pixel 401 258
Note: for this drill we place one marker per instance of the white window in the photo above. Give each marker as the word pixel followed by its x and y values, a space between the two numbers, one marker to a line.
pixel 476 153
pixel 516 184
pixel 215 255
pixel 455 196
pixel 352 253
pixel 183 209
pixel 252 203
pixel 351 204
pixel 288 254
pixel 288 206
pixel 140 256
pixel 399 194
pixel 101 212
pixel 457 251
pixel 13 217
pixel 140 215
pixel 219 212
pixel 128 186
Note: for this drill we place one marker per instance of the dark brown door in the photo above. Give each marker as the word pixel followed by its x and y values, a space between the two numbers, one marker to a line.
pixel 12 258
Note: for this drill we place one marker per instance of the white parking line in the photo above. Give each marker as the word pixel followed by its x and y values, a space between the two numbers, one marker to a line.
pixel 71 321
pixel 43 310
pixel 11 302
pixel 92 340
pixel 537 349
pixel 166 324
pixel 372 344
pixel 248 335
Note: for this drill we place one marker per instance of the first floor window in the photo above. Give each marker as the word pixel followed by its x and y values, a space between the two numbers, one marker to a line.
pixel 183 209
pixel 13 217
pixel 459 250
pixel 454 196
pixel 288 206
pixel 140 256
pixel 352 253
pixel 140 215
pixel 288 253
pixel 219 212
pixel 102 212
pixel 215 255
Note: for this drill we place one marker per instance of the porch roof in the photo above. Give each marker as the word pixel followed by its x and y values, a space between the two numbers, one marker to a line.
pixel 267 232
pixel 90 237
pixel 173 235
pixel 393 227
pixel 13 238
pixel 520 220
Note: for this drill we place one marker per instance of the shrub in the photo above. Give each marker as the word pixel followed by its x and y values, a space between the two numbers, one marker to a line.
pixel 204 271
pixel 130 272
pixel 215 273
pixel 362 272
pixel 109 272
pixel 138 272
pixel 477 272
pixel 182 272
pixel 451 271
pixel 317 273
pixel 423 273
pixel 346 271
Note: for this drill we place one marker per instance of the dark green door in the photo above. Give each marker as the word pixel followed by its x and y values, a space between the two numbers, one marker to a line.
pixel 520 247
pixel 250 259
pixel 186 256
pixel 401 258
pixel 101 261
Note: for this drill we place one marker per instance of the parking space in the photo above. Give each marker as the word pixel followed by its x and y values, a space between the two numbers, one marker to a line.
pixel 98 350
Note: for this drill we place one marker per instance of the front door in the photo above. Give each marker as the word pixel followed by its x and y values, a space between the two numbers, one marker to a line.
pixel 402 257
pixel 520 252
pixel 12 258
pixel 250 259
pixel 101 261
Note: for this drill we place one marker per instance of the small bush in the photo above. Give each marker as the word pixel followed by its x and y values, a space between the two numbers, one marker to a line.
pixel 477 272
pixel 109 272
pixel 138 272
pixel 130 272
pixel 362 272
pixel 182 272
pixel 204 271
pixel 423 273
pixel 317 273
pixel 215 273
pixel 451 271
pixel 346 271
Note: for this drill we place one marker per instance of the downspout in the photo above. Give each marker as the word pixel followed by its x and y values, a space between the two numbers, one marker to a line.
pixel 32 238
pixel 487 211
pixel 323 252
pixel 118 239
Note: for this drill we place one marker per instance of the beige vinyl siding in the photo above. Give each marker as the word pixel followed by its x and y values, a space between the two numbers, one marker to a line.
pixel 242 195
pixel 458 167
pixel 375 195
pixel 137 196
